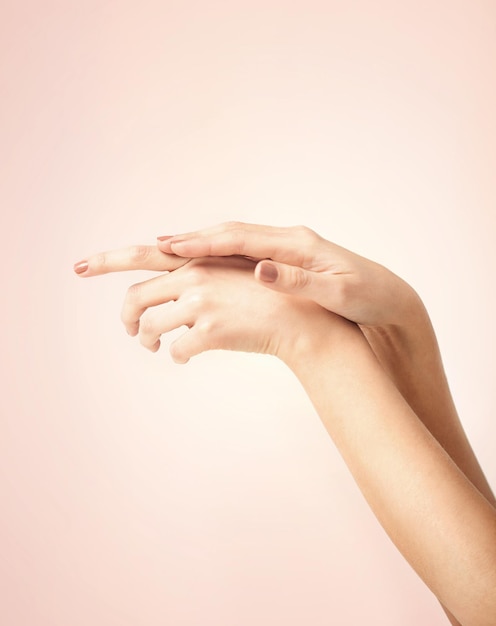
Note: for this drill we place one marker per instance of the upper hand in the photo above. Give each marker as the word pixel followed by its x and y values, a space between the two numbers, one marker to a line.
pixel 302 262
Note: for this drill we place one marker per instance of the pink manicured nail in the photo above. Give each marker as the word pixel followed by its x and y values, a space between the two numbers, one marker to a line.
pixel 81 267
pixel 268 272
pixel 165 237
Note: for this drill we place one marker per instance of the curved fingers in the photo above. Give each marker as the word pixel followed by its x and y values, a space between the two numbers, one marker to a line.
pixel 163 319
pixel 149 293
pixel 199 338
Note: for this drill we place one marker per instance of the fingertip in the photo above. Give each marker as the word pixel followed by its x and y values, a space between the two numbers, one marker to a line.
pixel 179 247
pixel 176 357
pixel 267 272
pixel 163 244
pixel 179 361
pixel 172 245
pixel 132 331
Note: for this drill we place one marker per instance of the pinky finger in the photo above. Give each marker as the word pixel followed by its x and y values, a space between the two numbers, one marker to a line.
pixel 194 341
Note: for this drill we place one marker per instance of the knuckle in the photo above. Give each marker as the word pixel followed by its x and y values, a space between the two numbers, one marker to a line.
pixel 147 325
pixel 206 327
pixel 134 293
pixel 306 241
pixel 299 278
pixel 234 225
pixel 128 318
pixel 237 233
pixel 205 334
pixel 139 253
pixel 100 261
pixel 305 233
pixel 198 274
pixel 237 240
pixel 196 301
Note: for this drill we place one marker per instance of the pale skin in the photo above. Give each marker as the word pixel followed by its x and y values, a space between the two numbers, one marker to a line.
pixel 360 341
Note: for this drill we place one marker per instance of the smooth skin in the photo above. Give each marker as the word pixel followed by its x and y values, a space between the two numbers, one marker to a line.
pixel 388 311
pixel 432 501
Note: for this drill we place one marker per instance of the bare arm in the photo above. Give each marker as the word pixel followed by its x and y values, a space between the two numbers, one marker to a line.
pixel 440 522
pixel 438 519
pixel 410 355
pixel 405 343
pixel 390 313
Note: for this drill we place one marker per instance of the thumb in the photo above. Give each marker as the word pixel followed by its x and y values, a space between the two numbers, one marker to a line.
pixel 334 292
pixel 286 278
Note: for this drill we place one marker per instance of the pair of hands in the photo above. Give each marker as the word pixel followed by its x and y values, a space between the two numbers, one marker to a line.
pixel 252 288
pixel 290 293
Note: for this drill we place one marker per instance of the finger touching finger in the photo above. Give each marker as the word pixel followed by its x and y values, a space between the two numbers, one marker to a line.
pixel 286 278
pixel 140 257
pixel 192 342
pixel 295 245
pixel 163 319
pixel 149 293
pixel 327 289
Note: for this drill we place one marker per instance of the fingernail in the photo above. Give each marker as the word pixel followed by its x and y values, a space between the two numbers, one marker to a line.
pixel 81 267
pixel 268 272
pixel 177 245
pixel 165 237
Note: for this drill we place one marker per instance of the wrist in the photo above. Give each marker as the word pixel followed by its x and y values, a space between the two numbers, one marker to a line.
pixel 322 339
pixel 410 335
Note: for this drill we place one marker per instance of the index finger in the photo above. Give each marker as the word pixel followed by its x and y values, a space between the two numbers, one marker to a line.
pixel 138 257
pixel 295 245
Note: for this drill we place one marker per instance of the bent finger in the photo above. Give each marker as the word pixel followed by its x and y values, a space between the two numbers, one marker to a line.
pixel 163 319
pixel 140 257
pixel 194 341
pixel 141 296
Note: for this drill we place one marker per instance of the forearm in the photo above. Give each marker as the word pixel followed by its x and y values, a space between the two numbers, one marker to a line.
pixel 410 355
pixel 442 525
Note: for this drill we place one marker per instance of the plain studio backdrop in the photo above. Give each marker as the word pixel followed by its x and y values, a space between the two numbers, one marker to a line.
pixel 137 492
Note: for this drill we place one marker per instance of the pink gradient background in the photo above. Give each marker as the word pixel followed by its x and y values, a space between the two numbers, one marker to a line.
pixel 137 492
